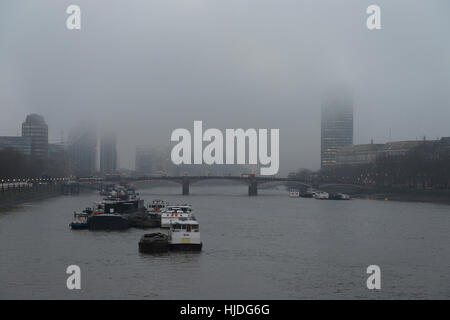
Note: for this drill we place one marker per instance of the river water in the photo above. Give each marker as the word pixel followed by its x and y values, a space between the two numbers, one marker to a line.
pixel 265 247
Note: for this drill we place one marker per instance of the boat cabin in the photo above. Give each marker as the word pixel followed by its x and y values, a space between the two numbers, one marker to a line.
pixel 184 226
pixel 185 208
pixel 123 206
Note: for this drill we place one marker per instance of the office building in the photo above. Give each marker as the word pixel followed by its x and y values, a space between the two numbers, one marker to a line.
pixel 336 126
pixel 153 160
pixel 36 129
pixel 368 153
pixel 82 150
pixel 20 144
pixel 108 153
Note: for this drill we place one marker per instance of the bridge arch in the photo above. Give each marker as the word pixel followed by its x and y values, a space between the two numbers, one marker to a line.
pixel 285 182
pixel 171 181
pixel 240 181
pixel 357 186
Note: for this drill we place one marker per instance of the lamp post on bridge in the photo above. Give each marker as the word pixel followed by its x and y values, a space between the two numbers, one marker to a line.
pixel 252 186
pixel 185 185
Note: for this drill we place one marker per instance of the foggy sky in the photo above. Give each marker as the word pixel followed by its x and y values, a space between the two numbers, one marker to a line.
pixel 149 67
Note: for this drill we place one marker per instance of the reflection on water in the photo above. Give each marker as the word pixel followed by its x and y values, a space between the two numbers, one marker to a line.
pixel 265 247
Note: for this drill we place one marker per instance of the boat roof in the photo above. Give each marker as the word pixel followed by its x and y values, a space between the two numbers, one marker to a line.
pixel 191 222
pixel 118 200
pixel 81 213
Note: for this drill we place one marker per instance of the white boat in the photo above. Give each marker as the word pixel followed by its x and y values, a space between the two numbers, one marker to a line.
pixel 171 215
pixel 321 196
pixel 157 206
pixel 183 207
pixel 345 196
pixel 294 193
pixel 184 235
pixel 338 196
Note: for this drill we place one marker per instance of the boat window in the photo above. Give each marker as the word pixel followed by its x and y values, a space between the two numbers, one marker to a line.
pixel 188 228
pixel 195 227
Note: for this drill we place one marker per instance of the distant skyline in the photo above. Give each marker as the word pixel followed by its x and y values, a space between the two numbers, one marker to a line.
pixel 147 68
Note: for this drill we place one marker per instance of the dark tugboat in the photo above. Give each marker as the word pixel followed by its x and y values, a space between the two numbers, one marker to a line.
pixel 154 243
pixel 119 210
pixel 80 221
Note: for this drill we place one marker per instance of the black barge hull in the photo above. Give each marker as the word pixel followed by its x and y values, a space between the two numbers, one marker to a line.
pixel 100 222
pixel 186 247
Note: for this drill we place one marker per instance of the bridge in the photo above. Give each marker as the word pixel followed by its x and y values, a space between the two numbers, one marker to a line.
pixel 250 180
pixel 73 185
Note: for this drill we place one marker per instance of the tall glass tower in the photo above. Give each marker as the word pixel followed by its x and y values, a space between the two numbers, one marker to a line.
pixel 336 126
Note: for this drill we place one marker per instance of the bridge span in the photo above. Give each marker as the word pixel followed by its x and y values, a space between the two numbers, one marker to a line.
pixel 251 181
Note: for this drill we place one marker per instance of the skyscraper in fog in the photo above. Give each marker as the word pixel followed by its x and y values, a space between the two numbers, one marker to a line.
pixel 144 160
pixel 108 153
pixel 83 149
pixel 36 129
pixel 153 160
pixel 336 126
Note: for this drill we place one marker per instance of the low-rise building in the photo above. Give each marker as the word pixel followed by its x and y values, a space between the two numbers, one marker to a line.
pixel 20 144
pixel 358 154
pixel 368 153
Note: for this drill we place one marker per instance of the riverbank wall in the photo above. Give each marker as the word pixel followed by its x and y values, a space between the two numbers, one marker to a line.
pixel 409 195
pixel 13 197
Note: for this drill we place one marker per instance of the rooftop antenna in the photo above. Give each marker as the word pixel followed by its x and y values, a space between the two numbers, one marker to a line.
pixel 389 134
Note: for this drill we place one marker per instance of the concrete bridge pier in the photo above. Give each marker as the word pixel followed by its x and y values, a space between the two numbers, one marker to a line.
pixel 253 188
pixel 185 186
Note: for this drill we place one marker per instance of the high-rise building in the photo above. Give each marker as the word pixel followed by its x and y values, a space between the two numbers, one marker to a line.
pixel 336 126
pixel 144 159
pixel 153 160
pixel 20 144
pixel 36 128
pixel 82 149
pixel 108 153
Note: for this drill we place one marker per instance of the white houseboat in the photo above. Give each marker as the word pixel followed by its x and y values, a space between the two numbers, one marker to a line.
pixel 186 208
pixel 321 195
pixel 184 235
pixel 171 215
